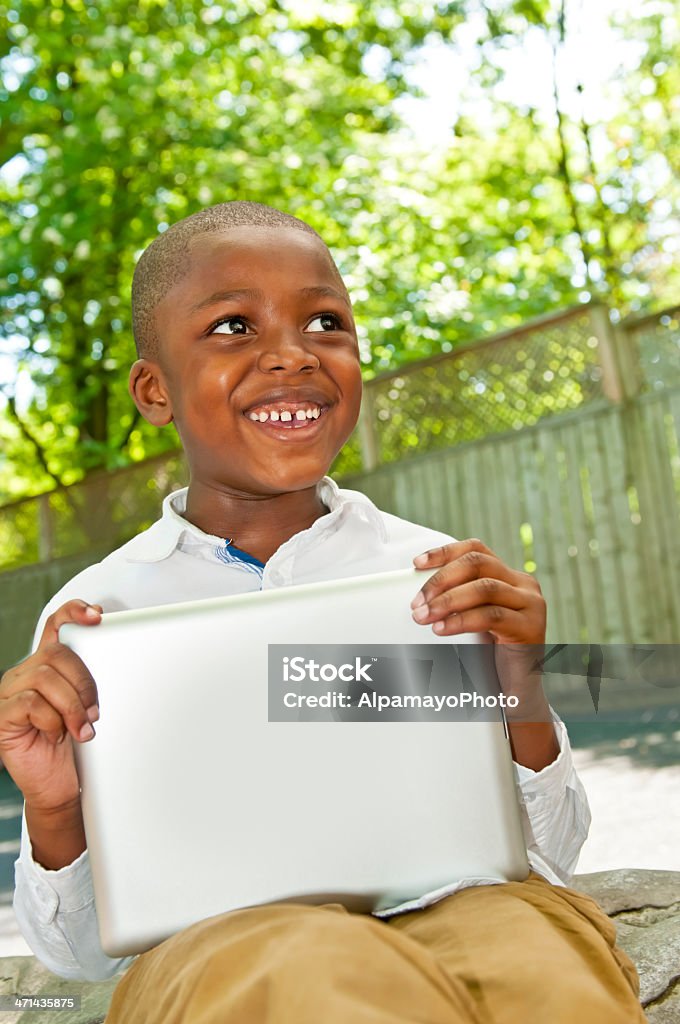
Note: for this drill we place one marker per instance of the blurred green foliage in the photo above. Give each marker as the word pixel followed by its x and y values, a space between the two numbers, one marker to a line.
pixel 120 118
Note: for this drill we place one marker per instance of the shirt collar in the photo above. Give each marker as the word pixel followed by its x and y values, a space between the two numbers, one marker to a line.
pixel 161 539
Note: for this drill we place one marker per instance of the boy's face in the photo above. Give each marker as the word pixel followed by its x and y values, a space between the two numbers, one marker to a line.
pixel 287 341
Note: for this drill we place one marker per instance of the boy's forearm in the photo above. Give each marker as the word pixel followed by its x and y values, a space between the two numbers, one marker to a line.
pixel 57 837
pixel 530 724
pixel 534 744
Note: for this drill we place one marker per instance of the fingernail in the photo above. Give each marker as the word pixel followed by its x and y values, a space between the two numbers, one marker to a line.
pixel 418 600
pixel 421 613
pixel 420 559
pixel 93 713
pixel 91 612
pixel 86 733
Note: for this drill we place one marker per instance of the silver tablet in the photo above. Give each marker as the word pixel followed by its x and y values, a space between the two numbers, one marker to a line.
pixel 307 743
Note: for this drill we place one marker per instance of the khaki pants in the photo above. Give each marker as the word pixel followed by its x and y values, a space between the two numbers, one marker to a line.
pixel 524 952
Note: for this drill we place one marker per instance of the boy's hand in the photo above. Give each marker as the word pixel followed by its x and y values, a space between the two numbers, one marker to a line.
pixel 475 592
pixel 46 702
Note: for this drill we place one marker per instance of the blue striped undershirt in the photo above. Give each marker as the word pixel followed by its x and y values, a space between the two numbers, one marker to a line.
pixel 231 555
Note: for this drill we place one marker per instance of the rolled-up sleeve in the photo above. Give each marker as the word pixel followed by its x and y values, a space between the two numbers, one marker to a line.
pixel 556 816
pixel 56 915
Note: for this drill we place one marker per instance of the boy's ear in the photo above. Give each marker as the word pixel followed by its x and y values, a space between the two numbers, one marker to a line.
pixel 149 393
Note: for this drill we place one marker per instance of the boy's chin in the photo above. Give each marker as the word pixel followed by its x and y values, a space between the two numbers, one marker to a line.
pixel 290 479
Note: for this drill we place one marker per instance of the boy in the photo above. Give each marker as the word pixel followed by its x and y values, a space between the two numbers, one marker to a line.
pixel 247 343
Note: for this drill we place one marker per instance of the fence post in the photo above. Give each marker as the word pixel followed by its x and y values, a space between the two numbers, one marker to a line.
pixel 45 529
pixel 629 359
pixel 368 440
pixel 612 384
pixel 620 373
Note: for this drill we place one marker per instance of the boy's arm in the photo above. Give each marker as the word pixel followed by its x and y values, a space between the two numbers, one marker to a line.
pixel 556 815
pixel 57 837
pixel 474 591
pixel 534 744
pixel 56 915
pixel 54 897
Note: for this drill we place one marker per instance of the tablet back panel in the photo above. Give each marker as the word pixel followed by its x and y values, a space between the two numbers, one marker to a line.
pixel 195 803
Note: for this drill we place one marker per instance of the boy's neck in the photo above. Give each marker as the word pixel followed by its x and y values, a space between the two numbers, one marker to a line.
pixel 258 524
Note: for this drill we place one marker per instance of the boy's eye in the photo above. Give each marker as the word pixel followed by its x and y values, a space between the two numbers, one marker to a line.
pixel 237 325
pixel 226 326
pixel 329 321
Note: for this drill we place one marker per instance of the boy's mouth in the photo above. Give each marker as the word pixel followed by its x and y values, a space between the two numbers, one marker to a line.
pixel 287 419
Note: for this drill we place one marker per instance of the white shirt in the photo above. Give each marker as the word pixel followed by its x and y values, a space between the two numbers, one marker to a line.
pixel 175 561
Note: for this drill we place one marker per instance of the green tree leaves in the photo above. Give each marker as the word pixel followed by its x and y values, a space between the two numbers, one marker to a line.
pixel 119 118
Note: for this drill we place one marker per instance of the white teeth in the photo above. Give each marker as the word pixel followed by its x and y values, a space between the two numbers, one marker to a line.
pixel 286 415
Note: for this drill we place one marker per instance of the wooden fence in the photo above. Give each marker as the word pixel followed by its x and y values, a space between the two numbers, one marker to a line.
pixel 557 443
pixel 589 500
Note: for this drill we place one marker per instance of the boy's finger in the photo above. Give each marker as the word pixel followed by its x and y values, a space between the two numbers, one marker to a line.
pixel 68 666
pixel 58 691
pixel 73 611
pixel 76 673
pixel 473 566
pixel 504 624
pixel 446 553
pixel 29 709
pixel 471 595
pixel 34 708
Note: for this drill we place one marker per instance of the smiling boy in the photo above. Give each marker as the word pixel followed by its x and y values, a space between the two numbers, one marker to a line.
pixel 247 343
pixel 226 355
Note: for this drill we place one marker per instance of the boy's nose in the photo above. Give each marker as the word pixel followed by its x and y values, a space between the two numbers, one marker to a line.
pixel 287 349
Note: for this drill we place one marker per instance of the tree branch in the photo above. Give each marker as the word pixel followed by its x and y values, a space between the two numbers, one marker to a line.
pixel 611 267
pixel 563 158
pixel 42 459
pixel 128 433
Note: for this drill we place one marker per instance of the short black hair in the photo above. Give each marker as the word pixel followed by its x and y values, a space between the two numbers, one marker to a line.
pixel 167 259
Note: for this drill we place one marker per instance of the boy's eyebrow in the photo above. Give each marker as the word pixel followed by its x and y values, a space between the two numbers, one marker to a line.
pixel 255 293
pixel 238 293
pixel 324 289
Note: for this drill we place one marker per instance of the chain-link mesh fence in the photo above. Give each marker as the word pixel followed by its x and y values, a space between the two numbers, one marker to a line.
pixel 103 511
pixel 655 347
pixel 491 388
